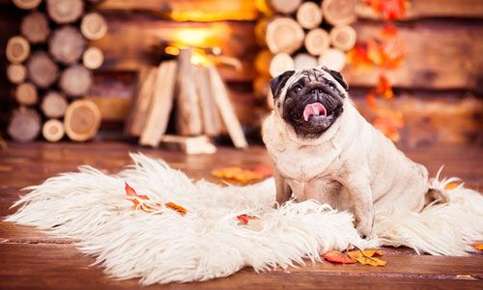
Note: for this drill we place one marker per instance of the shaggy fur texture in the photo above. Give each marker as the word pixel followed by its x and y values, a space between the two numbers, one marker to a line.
pixel 208 242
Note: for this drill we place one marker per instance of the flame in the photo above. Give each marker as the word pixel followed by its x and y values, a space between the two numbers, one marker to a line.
pixel 202 11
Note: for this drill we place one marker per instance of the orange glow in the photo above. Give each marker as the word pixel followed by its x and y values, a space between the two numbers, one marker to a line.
pixel 213 10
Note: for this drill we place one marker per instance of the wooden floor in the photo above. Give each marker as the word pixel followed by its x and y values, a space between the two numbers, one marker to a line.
pixel 30 259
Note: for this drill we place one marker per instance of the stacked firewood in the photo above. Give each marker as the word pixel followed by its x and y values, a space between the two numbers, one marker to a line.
pixel 300 34
pixel 50 64
pixel 197 96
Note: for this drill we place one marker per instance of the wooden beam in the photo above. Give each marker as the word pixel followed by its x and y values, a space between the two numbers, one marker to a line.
pixel 432 9
pixel 138 40
pixel 452 59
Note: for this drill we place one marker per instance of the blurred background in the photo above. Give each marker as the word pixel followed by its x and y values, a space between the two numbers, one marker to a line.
pixel 194 73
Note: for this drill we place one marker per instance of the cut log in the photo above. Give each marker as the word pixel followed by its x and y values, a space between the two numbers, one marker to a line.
pixel 67 45
pixel 226 110
pixel 53 130
pixel 76 81
pixel 343 37
pixel 92 58
pixel 26 94
pixel 24 125
pixel 93 26
pixel 309 15
pixel 82 120
pixel 262 62
pixel 42 71
pixel 188 119
pixel 16 73
pixel 26 4
pixel 161 104
pixel 211 119
pixel 18 49
pixel 339 12
pixel 285 6
pixel 137 118
pixel 333 59
pixel 280 63
pixel 35 27
pixel 65 11
pixel 284 35
pixel 317 41
pixel 54 105
pixel 189 145
pixel 305 61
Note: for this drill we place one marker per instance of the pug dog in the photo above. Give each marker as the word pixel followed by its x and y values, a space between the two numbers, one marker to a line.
pixel 323 149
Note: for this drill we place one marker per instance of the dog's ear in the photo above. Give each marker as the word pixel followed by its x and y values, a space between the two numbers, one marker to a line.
pixel 338 77
pixel 277 83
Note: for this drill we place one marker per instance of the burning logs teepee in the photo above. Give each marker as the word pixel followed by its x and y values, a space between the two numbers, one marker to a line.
pixel 297 34
pixel 197 95
pixel 49 64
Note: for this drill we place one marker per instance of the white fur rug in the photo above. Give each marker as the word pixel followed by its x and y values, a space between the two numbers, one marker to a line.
pixel 207 242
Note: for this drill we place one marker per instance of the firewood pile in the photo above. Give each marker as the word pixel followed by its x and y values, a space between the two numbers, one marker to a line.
pixel 194 96
pixel 299 34
pixel 50 64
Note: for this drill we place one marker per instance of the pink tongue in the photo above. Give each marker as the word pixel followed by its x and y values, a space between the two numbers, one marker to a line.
pixel 315 109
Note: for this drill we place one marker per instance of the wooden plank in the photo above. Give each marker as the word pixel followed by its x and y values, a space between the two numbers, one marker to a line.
pixel 432 120
pixel 452 59
pixel 138 39
pixel 61 266
pixel 432 8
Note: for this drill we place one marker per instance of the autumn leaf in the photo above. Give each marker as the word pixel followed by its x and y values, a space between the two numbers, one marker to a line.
pixel 366 257
pixel 244 218
pixel 176 207
pixel 452 185
pixel 242 176
pixel 338 257
pixel 478 246
pixel 139 201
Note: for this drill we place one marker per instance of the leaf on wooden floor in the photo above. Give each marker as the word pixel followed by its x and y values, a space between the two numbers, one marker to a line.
pixel 242 176
pixel 366 257
pixel 176 207
pixel 338 257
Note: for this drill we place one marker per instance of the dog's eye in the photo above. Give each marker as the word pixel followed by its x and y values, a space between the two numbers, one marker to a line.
pixel 297 88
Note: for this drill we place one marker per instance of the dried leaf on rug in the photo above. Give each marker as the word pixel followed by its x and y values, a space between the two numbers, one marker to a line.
pixel 244 218
pixel 176 207
pixel 139 200
pixel 478 246
pixel 242 176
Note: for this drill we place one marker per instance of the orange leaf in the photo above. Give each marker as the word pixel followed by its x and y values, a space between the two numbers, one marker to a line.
pixel 176 207
pixel 367 257
pixel 452 185
pixel 239 175
pixel 338 257
pixel 478 246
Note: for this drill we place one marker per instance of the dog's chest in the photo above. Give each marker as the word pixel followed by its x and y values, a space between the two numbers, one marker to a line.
pixel 303 163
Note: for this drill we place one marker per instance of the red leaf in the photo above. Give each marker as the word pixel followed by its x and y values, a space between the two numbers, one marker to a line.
pixel 244 218
pixel 338 257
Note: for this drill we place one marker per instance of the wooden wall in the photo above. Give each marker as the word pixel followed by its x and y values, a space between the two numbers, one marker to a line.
pixel 444 64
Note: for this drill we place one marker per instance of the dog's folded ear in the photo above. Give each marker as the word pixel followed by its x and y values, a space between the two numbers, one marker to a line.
pixel 279 82
pixel 338 77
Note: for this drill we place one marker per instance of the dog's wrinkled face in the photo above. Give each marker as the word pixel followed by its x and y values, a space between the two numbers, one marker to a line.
pixel 310 100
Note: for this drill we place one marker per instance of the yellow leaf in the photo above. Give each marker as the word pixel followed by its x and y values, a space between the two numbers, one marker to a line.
pixel 366 257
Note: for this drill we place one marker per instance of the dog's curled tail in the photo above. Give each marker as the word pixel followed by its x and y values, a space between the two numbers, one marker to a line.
pixel 450 222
